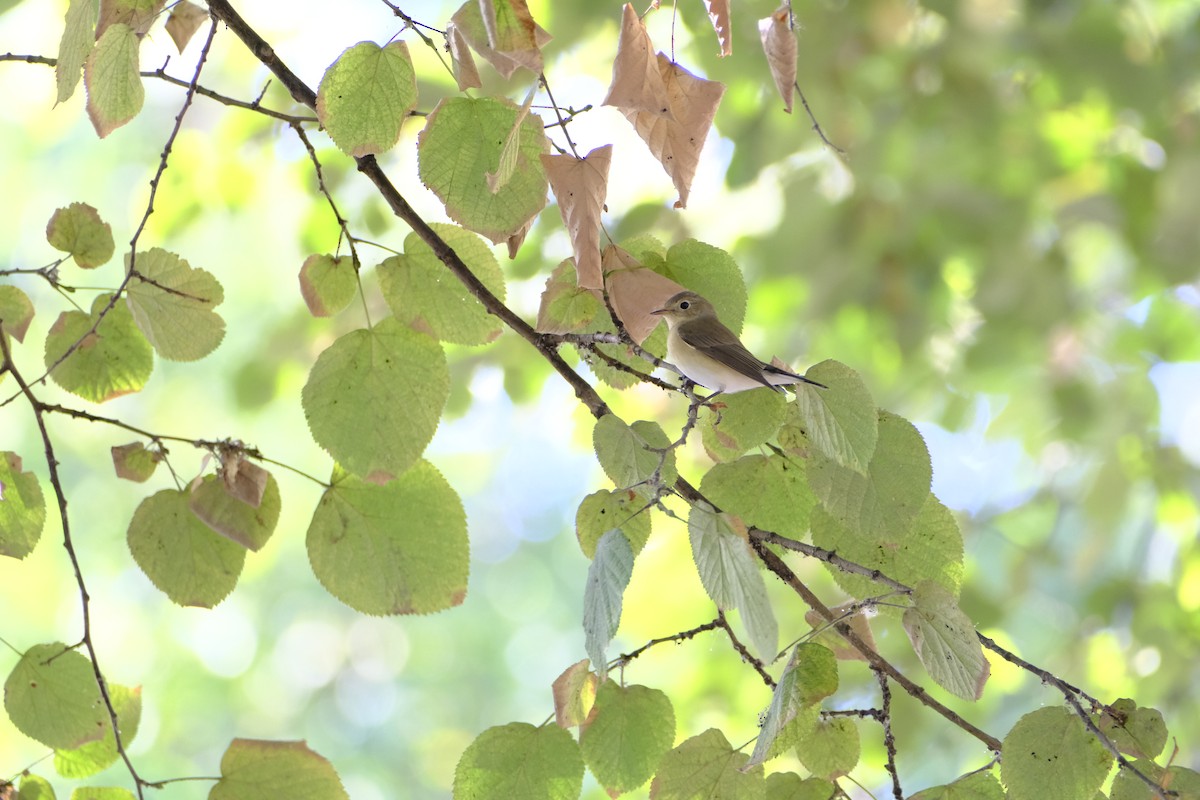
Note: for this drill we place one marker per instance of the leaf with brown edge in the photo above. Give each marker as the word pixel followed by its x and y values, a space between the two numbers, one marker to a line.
pixel 635 291
pixel 637 82
pixel 137 14
pixel 779 45
pixel 503 34
pixel 718 14
pixel 466 74
pixel 677 141
pixel 135 462
pixel 574 694
pixel 186 18
pixel 579 185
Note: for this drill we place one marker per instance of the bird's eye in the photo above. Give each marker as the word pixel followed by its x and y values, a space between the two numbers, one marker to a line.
pixel 684 305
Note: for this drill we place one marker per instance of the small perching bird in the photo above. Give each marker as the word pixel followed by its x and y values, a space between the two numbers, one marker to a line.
pixel 711 355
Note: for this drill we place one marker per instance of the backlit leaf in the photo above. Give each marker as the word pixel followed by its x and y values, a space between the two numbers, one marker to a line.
pixel 519 760
pixel 51 696
pixel 374 398
pixel 422 292
pixel 172 302
pixel 461 144
pixel 22 508
pixel 180 555
pixel 114 360
pixel 399 548
pixel 366 95
pixel 79 231
pixel 252 768
pixel 111 75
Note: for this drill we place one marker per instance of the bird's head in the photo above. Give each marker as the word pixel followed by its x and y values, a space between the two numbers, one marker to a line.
pixel 684 306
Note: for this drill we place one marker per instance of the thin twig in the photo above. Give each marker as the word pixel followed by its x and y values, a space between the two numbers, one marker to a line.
pixel 889 741
pixel 69 544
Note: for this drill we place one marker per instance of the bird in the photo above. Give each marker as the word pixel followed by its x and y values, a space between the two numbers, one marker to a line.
pixel 711 355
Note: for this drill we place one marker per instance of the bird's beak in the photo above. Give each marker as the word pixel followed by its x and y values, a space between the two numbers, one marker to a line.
pixel 660 311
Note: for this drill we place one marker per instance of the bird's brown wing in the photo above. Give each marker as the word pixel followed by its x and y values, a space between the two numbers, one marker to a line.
pixel 721 344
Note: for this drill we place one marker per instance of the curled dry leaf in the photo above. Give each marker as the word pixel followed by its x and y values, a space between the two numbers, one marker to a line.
pixel 635 291
pixel 677 141
pixel 779 45
pixel 580 185
pixel 465 72
pixel 718 13
pixel 637 82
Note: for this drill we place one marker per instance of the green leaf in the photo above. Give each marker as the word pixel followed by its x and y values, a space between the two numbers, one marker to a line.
pixel 327 284
pixel 461 144
pixel 90 758
pixel 114 360
pixel 180 555
pixel 602 511
pixel 945 641
pixel 931 549
pixel 707 766
pixel 709 271
pixel 22 508
pixel 399 548
pixel 114 87
pixel 839 422
pixel 233 518
pixel 790 786
pixel 519 760
pixel 74 46
pixel 1127 786
pixel 78 231
pixel 422 292
pixel 374 398
pixel 976 786
pixel 809 677
pixel 730 576
pixel 630 730
pixel 133 462
pixel 101 793
pixel 173 303
pixel 625 453
pixel 829 748
pixel 51 696
pixel 603 595
pixel 1050 755
pixel 1139 732
pixel 366 95
pixel 16 311
pixel 574 694
pixel 34 787
pixel 885 500
pixel 566 307
pixel 254 768
pixel 742 421
pixel 767 492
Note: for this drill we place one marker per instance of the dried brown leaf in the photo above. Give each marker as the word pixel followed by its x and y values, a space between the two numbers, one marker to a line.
pixel 246 481
pixel 635 291
pixel 718 13
pixel 580 185
pixel 637 81
pixel 677 142
pixel 515 241
pixel 186 18
pixel 465 72
pixel 779 45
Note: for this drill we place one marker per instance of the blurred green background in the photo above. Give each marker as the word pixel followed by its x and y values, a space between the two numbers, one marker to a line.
pixel 1008 256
